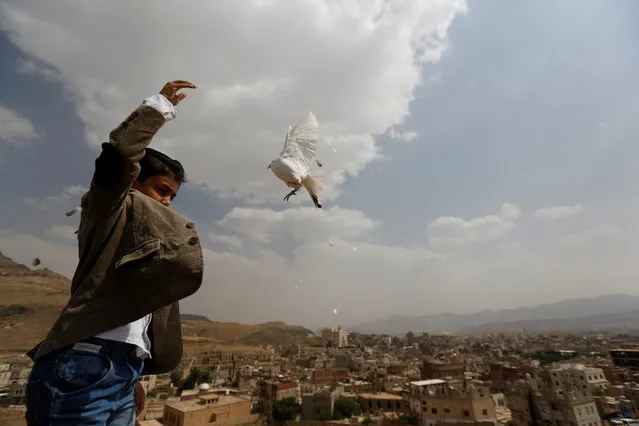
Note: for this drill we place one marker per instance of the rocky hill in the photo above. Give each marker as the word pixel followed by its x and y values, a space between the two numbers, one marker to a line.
pixel 31 300
pixel 269 333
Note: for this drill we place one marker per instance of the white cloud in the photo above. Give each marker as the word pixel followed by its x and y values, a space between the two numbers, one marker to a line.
pixel 68 193
pixel 304 223
pixel 559 212
pixel 448 233
pixel 229 240
pixel 354 63
pixel 510 212
pixel 15 129
pixel 401 135
pixel 62 231
pixel 578 238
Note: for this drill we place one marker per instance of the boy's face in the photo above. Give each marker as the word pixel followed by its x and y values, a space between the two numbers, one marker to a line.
pixel 162 188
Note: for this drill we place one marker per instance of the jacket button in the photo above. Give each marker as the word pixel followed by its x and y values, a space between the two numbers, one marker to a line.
pixel 193 240
pixel 190 225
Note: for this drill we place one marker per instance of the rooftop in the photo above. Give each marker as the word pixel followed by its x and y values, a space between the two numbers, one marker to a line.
pixel 428 382
pixel 380 395
pixel 186 406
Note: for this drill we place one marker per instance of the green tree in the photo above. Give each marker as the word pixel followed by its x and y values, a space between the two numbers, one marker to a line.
pixel 206 377
pixel 195 376
pixel 411 419
pixel 286 409
pixel 345 408
pixel 176 377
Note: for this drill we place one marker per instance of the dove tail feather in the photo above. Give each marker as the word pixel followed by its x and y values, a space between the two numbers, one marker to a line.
pixel 313 182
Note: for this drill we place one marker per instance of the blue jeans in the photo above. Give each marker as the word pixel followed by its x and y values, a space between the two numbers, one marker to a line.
pixel 90 383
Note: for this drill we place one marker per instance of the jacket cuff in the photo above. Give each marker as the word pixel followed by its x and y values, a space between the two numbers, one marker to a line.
pixel 162 105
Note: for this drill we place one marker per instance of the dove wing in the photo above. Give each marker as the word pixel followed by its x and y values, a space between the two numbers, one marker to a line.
pixel 300 142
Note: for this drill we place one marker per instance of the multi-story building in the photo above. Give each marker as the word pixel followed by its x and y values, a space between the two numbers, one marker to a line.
pixel 625 358
pixel 557 397
pixel 330 375
pixel 20 372
pixel 335 337
pixel 380 402
pixel 271 391
pixel 579 376
pixel 439 401
pixel 5 375
pixel 442 370
pixel 148 382
pixel 206 410
pixel 319 405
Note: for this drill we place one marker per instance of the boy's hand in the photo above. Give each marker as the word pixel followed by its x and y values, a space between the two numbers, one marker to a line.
pixel 170 90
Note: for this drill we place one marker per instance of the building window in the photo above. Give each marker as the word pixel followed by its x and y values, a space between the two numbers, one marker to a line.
pixel 433 410
pixel 466 413
pixel 484 412
pixel 446 410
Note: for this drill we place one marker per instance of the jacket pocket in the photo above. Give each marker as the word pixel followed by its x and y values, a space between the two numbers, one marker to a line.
pixel 143 251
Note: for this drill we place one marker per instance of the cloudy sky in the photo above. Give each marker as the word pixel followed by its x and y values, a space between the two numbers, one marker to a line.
pixel 478 154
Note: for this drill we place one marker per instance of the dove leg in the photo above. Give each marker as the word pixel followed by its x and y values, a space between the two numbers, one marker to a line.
pixel 316 201
pixel 290 194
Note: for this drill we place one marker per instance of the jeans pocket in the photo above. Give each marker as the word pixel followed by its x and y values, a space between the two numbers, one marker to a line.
pixel 78 372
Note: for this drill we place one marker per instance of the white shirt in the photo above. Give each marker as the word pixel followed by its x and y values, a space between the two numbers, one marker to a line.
pixel 135 332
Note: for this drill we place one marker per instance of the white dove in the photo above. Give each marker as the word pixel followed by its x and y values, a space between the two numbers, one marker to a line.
pixel 293 166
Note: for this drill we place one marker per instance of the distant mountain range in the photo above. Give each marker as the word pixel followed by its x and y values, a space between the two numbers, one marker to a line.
pixel 616 311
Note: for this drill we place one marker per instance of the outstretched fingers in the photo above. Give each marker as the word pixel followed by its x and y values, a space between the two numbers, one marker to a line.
pixel 170 90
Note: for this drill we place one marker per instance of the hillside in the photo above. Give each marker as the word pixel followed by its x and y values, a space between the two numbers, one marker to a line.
pixel 31 300
pixel 269 333
pixel 193 317
pixel 552 313
pixel 9 265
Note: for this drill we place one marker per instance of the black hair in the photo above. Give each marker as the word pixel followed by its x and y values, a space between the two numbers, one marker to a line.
pixel 155 163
